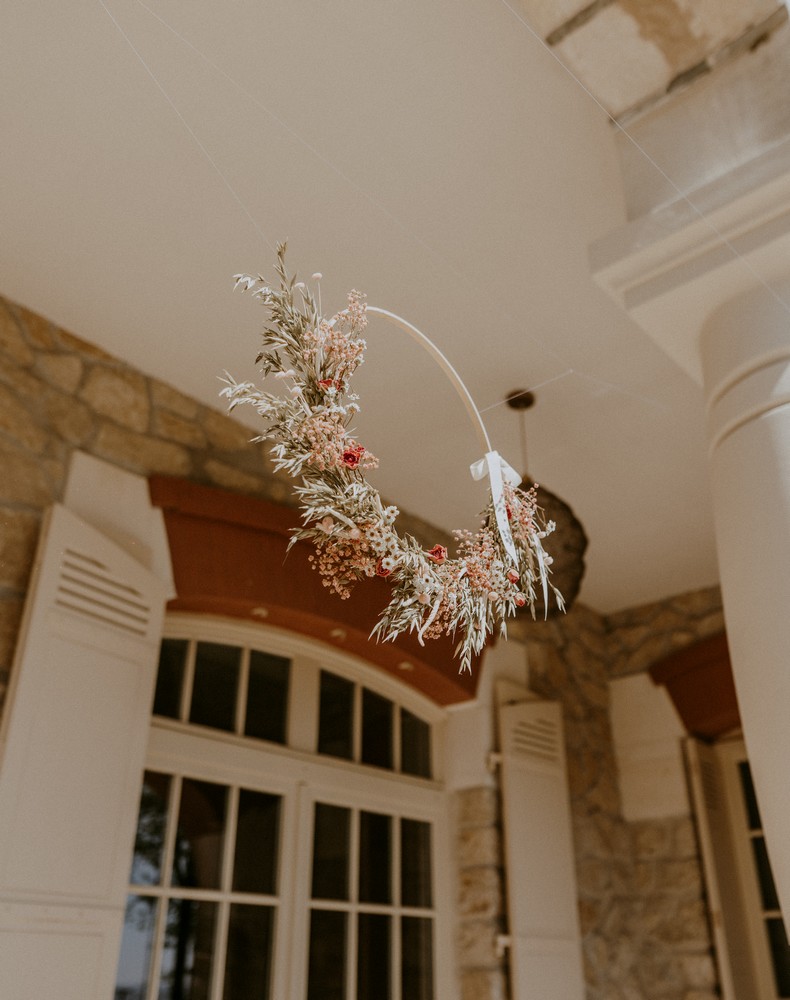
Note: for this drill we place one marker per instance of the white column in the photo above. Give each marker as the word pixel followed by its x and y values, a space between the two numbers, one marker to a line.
pixel 710 283
pixel 746 367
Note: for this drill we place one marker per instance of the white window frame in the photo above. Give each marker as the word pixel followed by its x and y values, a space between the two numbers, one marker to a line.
pixel 744 958
pixel 302 777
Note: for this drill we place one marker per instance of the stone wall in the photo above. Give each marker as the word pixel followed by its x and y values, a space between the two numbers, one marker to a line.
pixel 58 393
pixel 638 637
pixel 481 916
pixel 640 898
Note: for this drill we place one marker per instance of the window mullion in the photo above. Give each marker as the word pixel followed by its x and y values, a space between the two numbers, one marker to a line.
pixel 241 694
pixel 395 925
pixel 189 681
pixel 220 949
pixel 396 738
pixel 357 724
pixel 168 855
pixel 353 895
pixel 231 825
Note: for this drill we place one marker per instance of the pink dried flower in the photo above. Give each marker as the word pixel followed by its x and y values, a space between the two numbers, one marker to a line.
pixel 438 554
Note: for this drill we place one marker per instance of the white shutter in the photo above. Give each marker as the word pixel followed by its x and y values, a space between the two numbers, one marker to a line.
pixel 545 941
pixel 74 735
pixel 738 973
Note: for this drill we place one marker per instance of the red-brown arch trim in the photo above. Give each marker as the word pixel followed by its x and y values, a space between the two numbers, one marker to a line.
pixel 699 681
pixel 229 558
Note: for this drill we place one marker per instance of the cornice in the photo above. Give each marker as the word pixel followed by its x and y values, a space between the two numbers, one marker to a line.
pixel 671 269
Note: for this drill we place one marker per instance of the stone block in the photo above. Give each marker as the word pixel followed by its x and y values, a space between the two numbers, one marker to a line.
pixel 652 839
pixel 12 343
pixel 60 369
pixel 477 944
pixel 480 894
pixel 684 838
pixel 483 984
pixel 232 478
pixel 82 347
pixel 40 332
pixel 69 419
pixel 10 618
pixel 165 397
pixel 120 394
pixel 699 971
pixel 19 531
pixel 711 624
pixel 278 491
pixel 170 425
pixel 140 453
pixel 593 876
pixel 479 846
pixel 680 877
pixel 16 423
pixel 477 807
pixel 24 480
pixel 685 927
pixel 225 433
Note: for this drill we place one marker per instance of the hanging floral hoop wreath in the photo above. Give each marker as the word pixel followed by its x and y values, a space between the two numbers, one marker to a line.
pixel 498 568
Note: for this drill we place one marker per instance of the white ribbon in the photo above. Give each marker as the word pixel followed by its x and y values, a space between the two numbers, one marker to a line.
pixel 498 471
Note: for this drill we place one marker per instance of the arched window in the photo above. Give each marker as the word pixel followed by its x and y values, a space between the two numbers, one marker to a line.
pixel 290 840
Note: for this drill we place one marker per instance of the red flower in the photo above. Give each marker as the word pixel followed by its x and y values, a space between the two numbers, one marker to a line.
pixel 382 569
pixel 520 600
pixel 329 383
pixel 438 554
pixel 512 575
pixel 352 456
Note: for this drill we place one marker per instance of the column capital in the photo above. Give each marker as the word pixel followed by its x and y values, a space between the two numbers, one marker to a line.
pixel 672 269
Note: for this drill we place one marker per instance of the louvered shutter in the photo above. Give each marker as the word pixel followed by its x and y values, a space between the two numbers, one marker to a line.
pixel 545 943
pixel 74 733
pixel 737 973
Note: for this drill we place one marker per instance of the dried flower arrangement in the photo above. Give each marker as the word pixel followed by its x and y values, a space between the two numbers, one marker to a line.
pixel 498 567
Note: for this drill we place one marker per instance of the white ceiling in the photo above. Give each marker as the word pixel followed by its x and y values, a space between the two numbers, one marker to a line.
pixel 430 153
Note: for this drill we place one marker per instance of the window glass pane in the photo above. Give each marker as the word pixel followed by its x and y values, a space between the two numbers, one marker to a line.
pixel 257 840
pixel 267 697
pixel 415 883
pixel 415 745
pixel 375 858
pixel 188 950
pixel 749 797
pixel 170 678
pixel 134 965
pixel 416 958
pixel 780 954
pixel 764 874
pixel 248 964
pixel 332 825
pixel 201 830
pixel 150 837
pixel 326 973
pixel 373 957
pixel 336 716
pixel 376 729
pixel 215 685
